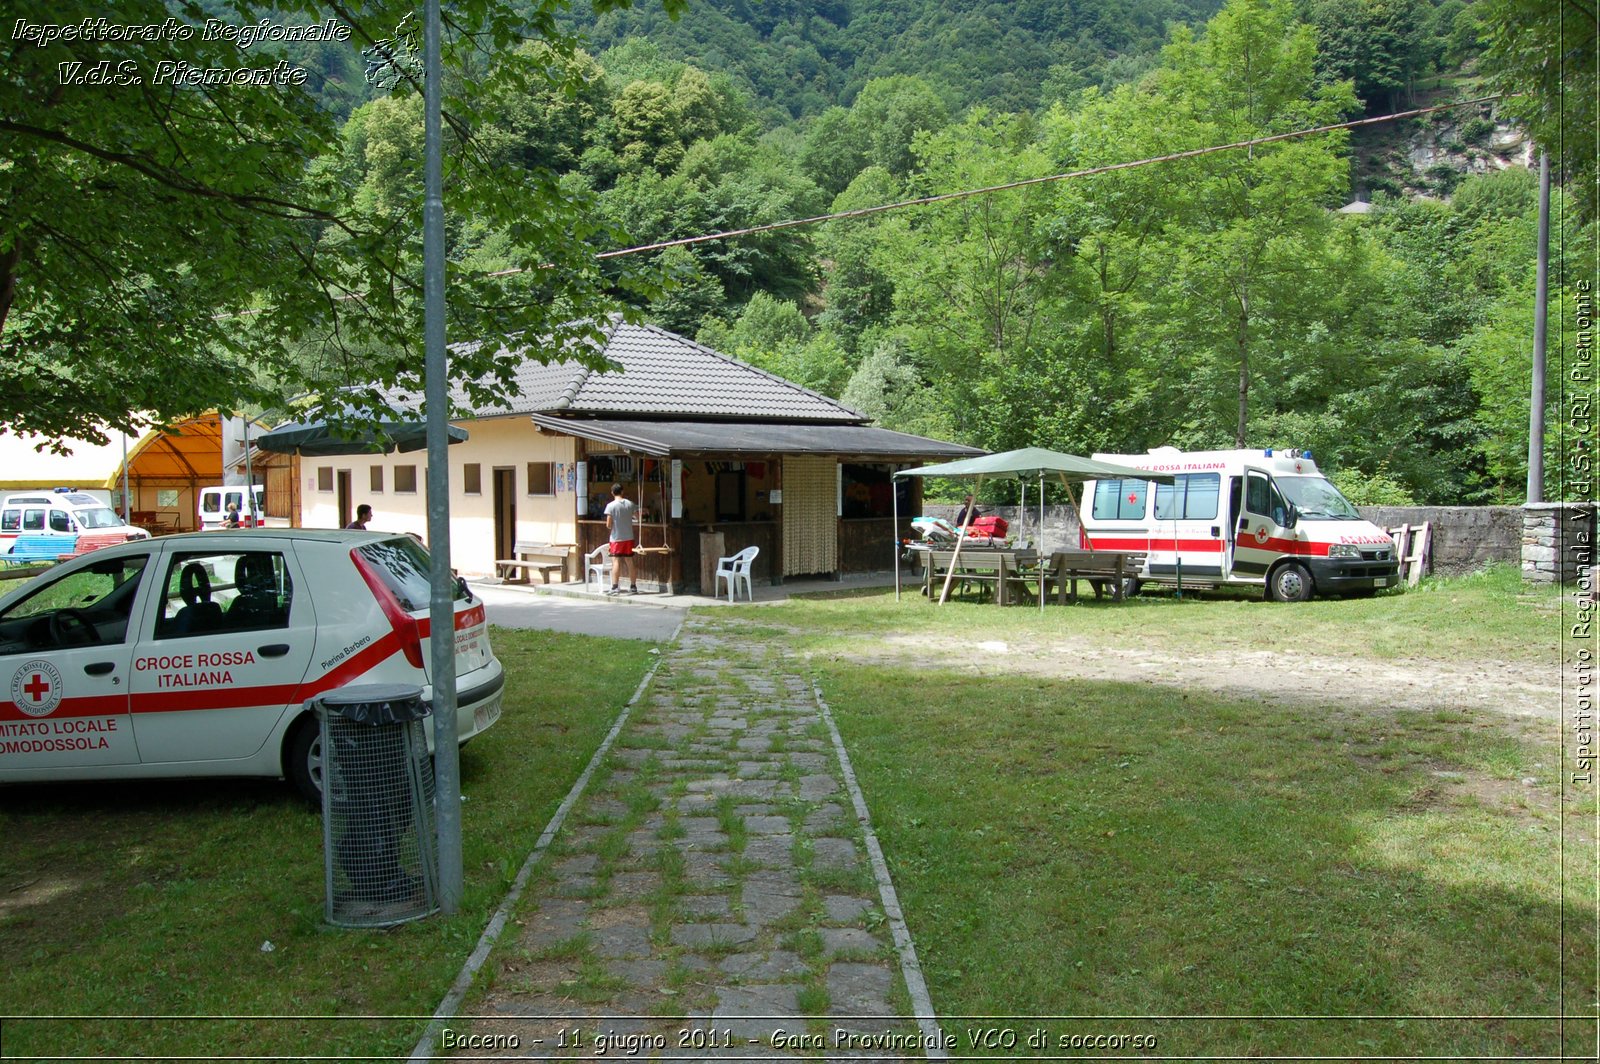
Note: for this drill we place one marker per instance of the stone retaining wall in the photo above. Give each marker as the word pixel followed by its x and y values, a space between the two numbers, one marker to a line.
pixel 1465 538
pixel 1557 541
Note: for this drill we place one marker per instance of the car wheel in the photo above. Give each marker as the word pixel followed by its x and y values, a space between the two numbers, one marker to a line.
pixel 1131 586
pixel 302 762
pixel 1290 583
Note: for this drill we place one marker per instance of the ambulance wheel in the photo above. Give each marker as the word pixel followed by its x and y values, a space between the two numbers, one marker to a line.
pixel 302 759
pixel 1290 582
pixel 1131 586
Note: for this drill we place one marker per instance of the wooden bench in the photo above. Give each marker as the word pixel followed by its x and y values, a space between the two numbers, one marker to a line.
pixel 1100 568
pixel 546 558
pixel 985 568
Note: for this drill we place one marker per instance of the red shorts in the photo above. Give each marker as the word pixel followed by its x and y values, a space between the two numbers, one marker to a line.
pixel 622 548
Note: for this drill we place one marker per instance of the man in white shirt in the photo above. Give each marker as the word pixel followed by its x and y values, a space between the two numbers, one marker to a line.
pixel 619 523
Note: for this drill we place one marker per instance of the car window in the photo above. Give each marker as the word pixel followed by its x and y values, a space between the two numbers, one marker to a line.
pixel 1261 497
pixel 1190 497
pixel 11 521
pixel 1119 500
pixel 87 605
pixel 233 591
pixel 59 521
pixel 402 564
pixel 33 520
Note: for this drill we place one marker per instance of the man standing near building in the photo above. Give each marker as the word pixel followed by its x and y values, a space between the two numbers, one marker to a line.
pixel 619 523
pixel 363 515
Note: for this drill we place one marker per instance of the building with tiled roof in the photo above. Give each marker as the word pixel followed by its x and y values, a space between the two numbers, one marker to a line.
pixel 718 454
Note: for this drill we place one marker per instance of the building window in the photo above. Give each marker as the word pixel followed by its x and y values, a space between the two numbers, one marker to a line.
pixel 377 479
pixel 167 497
pixel 541 478
pixel 405 479
pixel 472 478
pixel 325 478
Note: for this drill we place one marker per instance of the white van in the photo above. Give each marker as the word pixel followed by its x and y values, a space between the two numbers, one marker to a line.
pixel 214 506
pixel 1239 518
pixel 63 514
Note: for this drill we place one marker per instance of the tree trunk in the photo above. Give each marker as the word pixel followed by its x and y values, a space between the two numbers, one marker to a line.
pixel 1243 342
pixel 8 280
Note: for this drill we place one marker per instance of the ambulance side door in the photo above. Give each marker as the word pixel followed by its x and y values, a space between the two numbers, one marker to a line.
pixel 1260 537
pixel 223 652
pixel 1186 511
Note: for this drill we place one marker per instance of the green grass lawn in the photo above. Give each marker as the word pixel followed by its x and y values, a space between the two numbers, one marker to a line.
pixel 156 899
pixel 1107 848
pixel 1486 615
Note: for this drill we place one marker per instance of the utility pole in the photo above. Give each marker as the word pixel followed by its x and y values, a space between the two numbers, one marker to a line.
pixel 441 611
pixel 1540 298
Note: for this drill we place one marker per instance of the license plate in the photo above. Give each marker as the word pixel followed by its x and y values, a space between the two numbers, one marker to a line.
pixel 1381 582
pixel 486 714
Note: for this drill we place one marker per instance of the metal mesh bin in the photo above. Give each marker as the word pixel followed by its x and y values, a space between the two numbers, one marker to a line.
pixel 377 806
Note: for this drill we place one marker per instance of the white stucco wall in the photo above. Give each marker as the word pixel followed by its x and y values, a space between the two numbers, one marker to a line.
pixel 501 442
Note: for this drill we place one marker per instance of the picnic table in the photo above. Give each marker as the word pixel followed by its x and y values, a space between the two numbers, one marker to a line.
pixel 545 558
pixel 1014 576
pixel 986 569
pixel 1102 568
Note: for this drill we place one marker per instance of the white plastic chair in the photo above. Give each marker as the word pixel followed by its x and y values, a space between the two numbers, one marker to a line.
pixel 735 570
pixel 597 564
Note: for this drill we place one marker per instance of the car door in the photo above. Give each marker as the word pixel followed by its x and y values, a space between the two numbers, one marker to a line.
pixel 1262 536
pixel 222 652
pixel 65 655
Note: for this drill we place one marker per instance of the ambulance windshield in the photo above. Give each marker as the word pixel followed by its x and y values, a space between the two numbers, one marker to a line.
pixel 1316 497
pixel 98 517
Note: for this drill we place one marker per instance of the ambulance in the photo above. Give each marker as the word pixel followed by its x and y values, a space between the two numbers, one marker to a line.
pixel 202 654
pixel 63 514
pixel 1245 518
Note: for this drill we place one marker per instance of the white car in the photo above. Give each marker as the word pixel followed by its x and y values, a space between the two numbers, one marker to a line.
pixel 214 502
pixel 196 655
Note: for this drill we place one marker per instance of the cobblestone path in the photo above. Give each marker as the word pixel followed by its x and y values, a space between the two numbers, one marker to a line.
pixel 711 896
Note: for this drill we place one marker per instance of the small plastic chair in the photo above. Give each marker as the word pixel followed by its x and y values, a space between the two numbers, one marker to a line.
pixel 597 564
pixel 735 570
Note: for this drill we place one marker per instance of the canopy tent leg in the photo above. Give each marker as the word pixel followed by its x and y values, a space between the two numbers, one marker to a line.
pixel 894 535
pixel 961 537
pixel 1039 546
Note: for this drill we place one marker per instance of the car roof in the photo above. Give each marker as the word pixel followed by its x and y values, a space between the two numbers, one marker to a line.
pixel 233 536
pixel 231 540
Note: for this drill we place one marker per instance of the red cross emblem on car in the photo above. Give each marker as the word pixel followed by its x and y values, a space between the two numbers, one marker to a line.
pixel 36 688
pixel 1133 497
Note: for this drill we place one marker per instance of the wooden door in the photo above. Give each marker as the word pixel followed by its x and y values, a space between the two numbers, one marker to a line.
pixel 505 511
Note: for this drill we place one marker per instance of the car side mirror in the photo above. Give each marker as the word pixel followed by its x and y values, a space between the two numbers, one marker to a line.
pixel 1291 518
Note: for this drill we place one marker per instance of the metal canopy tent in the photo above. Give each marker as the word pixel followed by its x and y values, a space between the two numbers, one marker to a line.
pixel 1021 464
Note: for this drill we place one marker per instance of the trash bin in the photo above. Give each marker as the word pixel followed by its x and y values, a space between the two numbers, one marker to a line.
pixel 377 806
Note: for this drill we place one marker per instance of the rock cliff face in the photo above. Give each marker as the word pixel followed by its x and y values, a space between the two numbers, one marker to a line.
pixel 1429 156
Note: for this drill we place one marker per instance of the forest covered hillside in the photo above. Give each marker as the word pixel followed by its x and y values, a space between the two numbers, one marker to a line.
pixel 1227 297
pixel 798 57
pixel 1212 302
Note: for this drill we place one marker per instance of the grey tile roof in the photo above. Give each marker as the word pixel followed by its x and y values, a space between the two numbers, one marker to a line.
pixel 663 438
pixel 666 375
